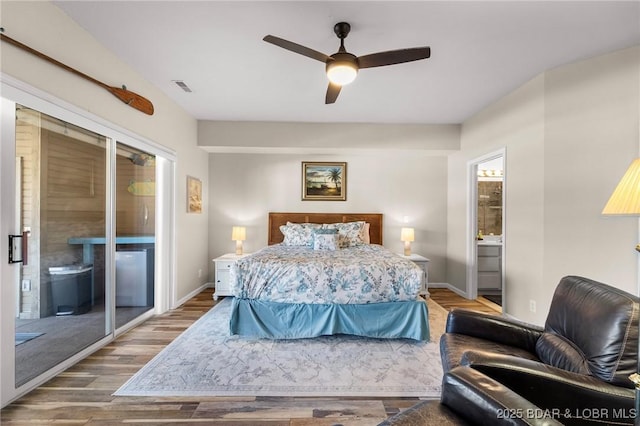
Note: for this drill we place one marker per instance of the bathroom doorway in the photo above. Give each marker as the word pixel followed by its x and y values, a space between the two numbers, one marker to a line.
pixel 486 224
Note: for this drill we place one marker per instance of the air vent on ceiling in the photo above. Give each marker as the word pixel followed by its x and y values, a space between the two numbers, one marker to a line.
pixel 181 84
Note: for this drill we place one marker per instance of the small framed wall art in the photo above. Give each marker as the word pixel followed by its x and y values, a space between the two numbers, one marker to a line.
pixel 194 195
pixel 324 181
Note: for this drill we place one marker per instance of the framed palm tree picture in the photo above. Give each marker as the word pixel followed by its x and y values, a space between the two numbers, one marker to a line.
pixel 324 181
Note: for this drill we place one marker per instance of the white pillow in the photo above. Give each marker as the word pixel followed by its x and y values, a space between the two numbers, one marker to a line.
pixel 298 234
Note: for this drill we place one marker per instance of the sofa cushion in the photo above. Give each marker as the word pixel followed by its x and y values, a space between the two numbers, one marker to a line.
pixel 601 322
pixel 559 352
pixel 453 346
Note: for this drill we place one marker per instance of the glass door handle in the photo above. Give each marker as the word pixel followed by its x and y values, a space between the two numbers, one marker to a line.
pixel 19 243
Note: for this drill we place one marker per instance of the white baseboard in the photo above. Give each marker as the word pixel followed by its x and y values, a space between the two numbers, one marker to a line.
pixel 450 287
pixel 192 294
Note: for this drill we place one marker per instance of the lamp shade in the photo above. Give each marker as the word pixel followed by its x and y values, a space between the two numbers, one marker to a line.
pixel 625 199
pixel 343 69
pixel 341 73
pixel 407 234
pixel 238 233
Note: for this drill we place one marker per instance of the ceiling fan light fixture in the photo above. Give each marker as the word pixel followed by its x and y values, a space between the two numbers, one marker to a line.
pixel 341 73
pixel 342 67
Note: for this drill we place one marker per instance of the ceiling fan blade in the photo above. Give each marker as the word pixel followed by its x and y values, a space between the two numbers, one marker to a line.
pixel 392 57
pixel 297 48
pixel 332 93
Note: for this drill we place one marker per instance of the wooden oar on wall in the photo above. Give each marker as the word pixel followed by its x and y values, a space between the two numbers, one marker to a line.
pixel 128 97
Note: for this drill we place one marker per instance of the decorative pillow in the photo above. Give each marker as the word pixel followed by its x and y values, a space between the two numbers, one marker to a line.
pixel 298 234
pixel 366 238
pixel 349 233
pixel 325 239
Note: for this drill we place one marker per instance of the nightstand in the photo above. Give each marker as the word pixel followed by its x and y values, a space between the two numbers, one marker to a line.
pixel 423 263
pixel 222 270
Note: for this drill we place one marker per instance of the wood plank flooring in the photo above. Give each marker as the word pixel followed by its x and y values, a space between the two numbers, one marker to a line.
pixel 82 394
pixel 448 299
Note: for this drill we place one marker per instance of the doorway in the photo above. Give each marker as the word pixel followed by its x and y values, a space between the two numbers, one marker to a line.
pixel 76 193
pixel 486 240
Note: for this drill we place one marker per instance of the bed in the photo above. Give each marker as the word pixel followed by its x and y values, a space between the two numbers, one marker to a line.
pixel 326 274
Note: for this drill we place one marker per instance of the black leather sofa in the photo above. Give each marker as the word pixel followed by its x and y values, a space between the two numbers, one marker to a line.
pixel 576 367
pixel 574 371
pixel 471 398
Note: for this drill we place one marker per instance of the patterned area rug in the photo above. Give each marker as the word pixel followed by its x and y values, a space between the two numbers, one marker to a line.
pixel 206 361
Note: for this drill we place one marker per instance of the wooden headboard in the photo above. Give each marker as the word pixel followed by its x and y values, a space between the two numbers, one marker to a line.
pixel 277 219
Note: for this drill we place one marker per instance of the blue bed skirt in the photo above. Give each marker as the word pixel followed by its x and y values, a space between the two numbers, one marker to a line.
pixel 271 320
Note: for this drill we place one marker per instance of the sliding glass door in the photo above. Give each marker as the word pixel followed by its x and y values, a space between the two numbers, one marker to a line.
pixel 85 237
pixel 60 193
pixel 135 232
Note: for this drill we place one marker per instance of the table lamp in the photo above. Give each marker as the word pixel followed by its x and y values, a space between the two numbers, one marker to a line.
pixel 625 201
pixel 407 235
pixel 238 234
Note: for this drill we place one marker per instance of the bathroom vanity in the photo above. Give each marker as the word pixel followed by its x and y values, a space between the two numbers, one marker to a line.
pixel 489 265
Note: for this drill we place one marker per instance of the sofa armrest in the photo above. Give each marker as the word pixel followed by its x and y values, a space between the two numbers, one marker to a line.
pixel 482 400
pixel 494 328
pixel 471 398
pixel 575 399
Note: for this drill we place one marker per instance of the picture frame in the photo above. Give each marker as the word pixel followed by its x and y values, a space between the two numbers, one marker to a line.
pixel 324 181
pixel 194 195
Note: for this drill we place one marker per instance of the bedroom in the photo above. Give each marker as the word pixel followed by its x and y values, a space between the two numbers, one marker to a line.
pixel 548 234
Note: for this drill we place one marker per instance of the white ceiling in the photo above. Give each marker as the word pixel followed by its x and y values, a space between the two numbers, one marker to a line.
pixel 480 51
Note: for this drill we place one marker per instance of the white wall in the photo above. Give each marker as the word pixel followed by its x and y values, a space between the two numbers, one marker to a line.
pixel 569 134
pixel 515 122
pixel 272 137
pixel 44 27
pixel 244 188
pixel 592 118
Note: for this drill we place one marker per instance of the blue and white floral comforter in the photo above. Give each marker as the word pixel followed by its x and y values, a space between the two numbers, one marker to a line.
pixel 294 274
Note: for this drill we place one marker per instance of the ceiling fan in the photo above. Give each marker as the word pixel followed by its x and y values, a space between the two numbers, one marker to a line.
pixel 342 67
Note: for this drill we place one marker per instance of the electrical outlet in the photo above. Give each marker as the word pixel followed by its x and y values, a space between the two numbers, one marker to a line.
pixel 199 273
pixel 26 285
pixel 532 305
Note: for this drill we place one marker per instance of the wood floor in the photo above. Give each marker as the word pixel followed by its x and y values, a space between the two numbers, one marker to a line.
pixel 448 299
pixel 82 394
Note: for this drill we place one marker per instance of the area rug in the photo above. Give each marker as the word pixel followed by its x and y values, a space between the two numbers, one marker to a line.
pixel 25 337
pixel 206 361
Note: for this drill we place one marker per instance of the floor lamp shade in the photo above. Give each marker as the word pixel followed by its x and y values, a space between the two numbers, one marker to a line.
pixel 625 199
